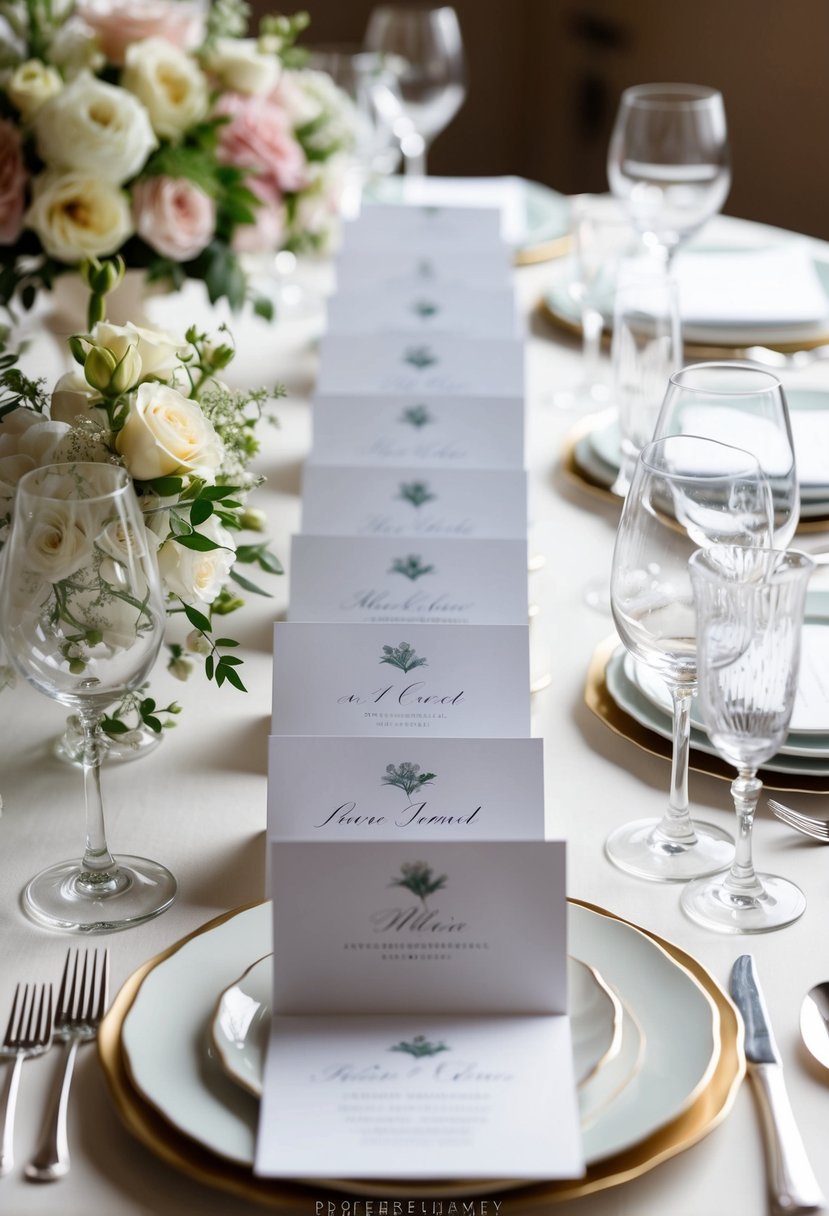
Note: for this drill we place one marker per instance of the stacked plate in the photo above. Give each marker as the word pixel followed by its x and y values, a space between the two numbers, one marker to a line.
pixel 657 1048
pixel 596 451
pixel 803 759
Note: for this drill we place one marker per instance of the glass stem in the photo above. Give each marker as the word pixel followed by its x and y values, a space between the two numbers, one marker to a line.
pixel 592 324
pixel 742 879
pixel 676 822
pixel 414 163
pixel 98 863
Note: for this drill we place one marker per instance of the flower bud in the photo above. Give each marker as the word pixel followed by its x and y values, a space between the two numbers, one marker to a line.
pixel 127 373
pixel 98 369
pixel 225 603
pixel 253 519
pixel 197 643
pixel 103 277
pixel 180 668
pixel 77 349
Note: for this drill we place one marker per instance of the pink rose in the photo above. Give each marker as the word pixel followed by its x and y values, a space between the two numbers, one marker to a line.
pixel 267 231
pixel 118 23
pixel 173 216
pixel 259 137
pixel 12 183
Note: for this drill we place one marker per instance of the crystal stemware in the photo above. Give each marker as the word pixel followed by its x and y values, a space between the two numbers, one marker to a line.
pixel 749 609
pixel 668 160
pixel 83 618
pixel 744 405
pixel 686 493
pixel 425 49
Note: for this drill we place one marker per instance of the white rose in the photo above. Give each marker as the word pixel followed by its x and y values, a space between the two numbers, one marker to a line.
pixel 77 216
pixel 72 397
pixel 169 83
pixel 31 85
pixel 58 543
pixel 75 49
pixel 167 433
pixel 197 577
pixel 243 67
pixel 157 350
pixel 95 127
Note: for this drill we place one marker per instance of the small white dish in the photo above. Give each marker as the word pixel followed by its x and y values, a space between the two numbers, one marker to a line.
pixel 242 1022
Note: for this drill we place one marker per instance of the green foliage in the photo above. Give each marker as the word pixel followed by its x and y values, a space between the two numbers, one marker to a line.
pixel 403 656
pixel 407 777
pixel 417 877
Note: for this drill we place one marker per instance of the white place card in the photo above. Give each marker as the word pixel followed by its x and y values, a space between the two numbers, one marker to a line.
pixel 444 432
pixel 507 194
pixel 811 706
pixel 411 308
pixel 401 927
pixel 440 680
pixel 428 228
pixel 373 580
pixel 412 502
pixel 484 268
pixel 437 365
pixel 405 789
pixel 419 1097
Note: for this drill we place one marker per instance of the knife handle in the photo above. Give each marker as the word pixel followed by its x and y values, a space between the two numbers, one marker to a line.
pixel 793 1186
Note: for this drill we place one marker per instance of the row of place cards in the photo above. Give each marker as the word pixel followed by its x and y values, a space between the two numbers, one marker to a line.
pixel 419 1022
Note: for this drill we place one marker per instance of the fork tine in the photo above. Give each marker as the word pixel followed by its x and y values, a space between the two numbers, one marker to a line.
pixel 11 1023
pixel 808 827
pixel 64 980
pixel 98 994
pixel 786 812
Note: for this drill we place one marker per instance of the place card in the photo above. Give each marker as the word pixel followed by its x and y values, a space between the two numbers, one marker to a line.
pixel 365 268
pixel 400 927
pixel 426 1097
pixel 412 789
pixel 426 228
pixel 411 308
pixel 441 680
pixel 437 364
pixel 811 706
pixel 444 432
pixel 507 194
pixel 434 582
pixel 414 502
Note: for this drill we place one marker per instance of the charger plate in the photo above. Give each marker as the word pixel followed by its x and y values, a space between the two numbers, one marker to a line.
pixel 707 1104
pixel 598 699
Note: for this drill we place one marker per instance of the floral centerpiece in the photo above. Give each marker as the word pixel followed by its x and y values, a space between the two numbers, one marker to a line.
pixel 154 129
pixel 155 405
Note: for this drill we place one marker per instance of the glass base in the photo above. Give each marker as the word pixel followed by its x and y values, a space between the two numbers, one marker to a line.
pixel 139 889
pixel 711 905
pixel 640 848
pixel 119 748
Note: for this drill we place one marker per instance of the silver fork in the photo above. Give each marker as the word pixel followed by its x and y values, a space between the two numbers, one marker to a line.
pixel 816 829
pixel 82 1001
pixel 29 1033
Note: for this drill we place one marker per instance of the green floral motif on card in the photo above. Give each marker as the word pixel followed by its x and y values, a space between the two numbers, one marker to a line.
pixel 418 877
pixel 407 777
pixel 419 1047
pixel 403 656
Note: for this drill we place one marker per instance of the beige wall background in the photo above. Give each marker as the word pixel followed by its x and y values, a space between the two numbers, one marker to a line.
pixel 545 77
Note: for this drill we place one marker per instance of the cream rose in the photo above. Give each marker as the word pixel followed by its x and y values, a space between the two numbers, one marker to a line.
pixel 167 433
pixel 156 349
pixel 169 83
pixel 197 577
pixel 72 397
pixel 242 66
pixel 75 49
pixel 95 127
pixel 58 543
pixel 77 216
pixel 31 85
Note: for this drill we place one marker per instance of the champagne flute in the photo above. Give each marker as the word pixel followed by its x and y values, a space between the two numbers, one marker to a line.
pixel 424 47
pixel 746 406
pixel 83 619
pixel 749 609
pixel 668 160
pixel 686 493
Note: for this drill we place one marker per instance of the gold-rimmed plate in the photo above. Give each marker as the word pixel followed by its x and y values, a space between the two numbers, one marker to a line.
pixel 716 1062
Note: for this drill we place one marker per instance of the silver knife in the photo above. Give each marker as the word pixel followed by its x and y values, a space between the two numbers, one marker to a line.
pixel 792 1183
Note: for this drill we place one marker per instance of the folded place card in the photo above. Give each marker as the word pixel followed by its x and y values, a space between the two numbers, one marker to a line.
pixel 411 308
pixel 405 789
pixel 445 432
pixel 440 680
pixel 438 365
pixel 411 502
pixel 364 268
pixel 427 228
pixel 755 286
pixel 374 580
pixel 507 194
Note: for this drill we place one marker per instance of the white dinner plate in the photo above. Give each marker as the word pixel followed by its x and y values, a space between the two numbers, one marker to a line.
pixel 165 1030
pixel 241 1025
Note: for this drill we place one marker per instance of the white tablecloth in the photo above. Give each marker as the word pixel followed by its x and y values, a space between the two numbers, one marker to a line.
pixel 198 805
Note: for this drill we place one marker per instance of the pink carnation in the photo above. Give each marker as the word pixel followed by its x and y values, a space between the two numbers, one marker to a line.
pixel 119 23
pixel 259 137
pixel 267 230
pixel 173 216
pixel 12 183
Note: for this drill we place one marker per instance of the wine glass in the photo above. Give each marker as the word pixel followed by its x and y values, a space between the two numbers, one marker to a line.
pixel 83 618
pixel 425 49
pixel 686 493
pixel 744 405
pixel 749 610
pixel 668 160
